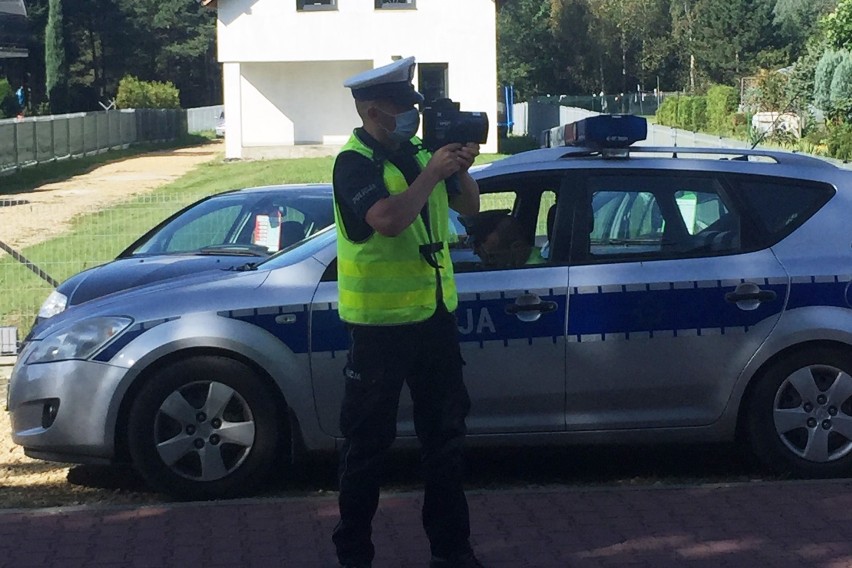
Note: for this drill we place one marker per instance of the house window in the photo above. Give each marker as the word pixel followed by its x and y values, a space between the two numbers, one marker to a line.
pixel 432 81
pixel 307 5
pixel 396 4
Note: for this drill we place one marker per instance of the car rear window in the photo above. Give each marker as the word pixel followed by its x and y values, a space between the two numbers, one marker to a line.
pixel 778 206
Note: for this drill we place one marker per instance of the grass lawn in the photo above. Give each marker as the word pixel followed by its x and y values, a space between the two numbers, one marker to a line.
pixel 97 237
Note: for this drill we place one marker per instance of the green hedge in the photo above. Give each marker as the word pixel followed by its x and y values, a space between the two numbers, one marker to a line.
pixel 722 102
pixel 667 111
pixel 687 112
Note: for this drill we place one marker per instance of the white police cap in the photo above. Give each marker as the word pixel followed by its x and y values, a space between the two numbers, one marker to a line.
pixel 392 82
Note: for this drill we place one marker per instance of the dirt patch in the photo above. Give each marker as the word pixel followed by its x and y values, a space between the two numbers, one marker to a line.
pixel 50 207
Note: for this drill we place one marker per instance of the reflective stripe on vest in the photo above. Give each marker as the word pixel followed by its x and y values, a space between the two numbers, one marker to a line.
pixel 386 280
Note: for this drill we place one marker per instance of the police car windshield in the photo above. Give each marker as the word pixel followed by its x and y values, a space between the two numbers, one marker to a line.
pixel 300 251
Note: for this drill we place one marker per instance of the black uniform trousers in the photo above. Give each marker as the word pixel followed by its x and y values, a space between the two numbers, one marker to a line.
pixel 426 355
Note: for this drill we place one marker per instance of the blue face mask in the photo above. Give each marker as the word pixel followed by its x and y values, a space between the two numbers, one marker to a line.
pixel 407 123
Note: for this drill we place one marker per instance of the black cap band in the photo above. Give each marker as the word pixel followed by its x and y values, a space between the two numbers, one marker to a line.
pixel 401 92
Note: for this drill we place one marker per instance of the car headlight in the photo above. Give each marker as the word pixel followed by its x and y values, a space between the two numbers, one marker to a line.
pixel 78 341
pixel 54 304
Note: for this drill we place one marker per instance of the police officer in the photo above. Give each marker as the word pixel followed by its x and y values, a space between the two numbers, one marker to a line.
pixel 397 295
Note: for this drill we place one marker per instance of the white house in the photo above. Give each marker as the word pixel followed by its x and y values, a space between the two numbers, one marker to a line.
pixel 284 63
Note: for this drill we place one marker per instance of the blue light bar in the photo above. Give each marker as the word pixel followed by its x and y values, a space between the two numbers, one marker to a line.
pixel 606 131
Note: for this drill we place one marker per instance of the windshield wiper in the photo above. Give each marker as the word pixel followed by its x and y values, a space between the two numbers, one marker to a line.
pixel 234 250
pixel 245 267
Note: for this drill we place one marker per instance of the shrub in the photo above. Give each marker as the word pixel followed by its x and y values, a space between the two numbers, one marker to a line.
pixel 823 77
pixel 841 87
pixel 722 101
pixel 133 93
pixel 840 142
pixel 699 113
pixel 667 111
pixel 8 103
pixel 684 113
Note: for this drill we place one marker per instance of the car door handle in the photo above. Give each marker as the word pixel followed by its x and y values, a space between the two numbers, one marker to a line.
pixel 541 307
pixel 760 296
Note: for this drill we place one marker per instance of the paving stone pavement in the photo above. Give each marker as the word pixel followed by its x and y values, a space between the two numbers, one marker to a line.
pixel 760 524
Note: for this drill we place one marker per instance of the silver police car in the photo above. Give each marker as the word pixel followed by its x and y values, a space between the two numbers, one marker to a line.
pixel 678 295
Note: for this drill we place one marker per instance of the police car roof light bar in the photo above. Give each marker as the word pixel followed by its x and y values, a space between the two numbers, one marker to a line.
pixel 606 131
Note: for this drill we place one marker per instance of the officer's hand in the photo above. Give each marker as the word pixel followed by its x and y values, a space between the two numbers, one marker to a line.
pixel 467 155
pixel 445 161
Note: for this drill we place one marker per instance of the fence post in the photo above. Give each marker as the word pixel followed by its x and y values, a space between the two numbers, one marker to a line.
pixel 52 140
pixel 15 145
pixel 35 142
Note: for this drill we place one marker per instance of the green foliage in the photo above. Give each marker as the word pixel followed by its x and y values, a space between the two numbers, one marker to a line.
pixel 684 113
pixel 773 90
pixel 667 111
pixel 133 93
pixel 8 104
pixel 698 116
pixel 838 26
pixel 840 142
pixel 800 81
pixel 823 77
pixel 797 22
pixel 174 40
pixel 722 101
pixel 841 88
pixel 163 40
pixel 732 37
pixel 687 112
pixel 56 72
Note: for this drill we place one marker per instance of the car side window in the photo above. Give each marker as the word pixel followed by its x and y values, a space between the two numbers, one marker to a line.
pixel 626 222
pixel 653 216
pixel 778 206
pixel 513 229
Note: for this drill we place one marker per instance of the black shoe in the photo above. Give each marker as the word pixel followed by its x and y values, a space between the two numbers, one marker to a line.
pixel 466 560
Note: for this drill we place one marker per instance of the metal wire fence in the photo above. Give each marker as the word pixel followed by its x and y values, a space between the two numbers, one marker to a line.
pixel 49 242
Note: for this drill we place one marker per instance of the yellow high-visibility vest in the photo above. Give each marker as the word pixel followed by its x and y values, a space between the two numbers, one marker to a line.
pixel 386 280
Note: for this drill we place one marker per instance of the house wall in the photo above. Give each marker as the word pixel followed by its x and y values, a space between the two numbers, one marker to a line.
pixel 292 64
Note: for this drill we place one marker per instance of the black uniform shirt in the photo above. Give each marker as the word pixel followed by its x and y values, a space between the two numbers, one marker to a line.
pixel 359 181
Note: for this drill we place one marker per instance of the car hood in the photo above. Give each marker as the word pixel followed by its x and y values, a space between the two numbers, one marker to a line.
pixel 170 296
pixel 127 273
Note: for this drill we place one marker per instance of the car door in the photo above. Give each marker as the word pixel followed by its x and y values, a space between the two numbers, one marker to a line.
pixel 512 318
pixel 511 323
pixel 670 296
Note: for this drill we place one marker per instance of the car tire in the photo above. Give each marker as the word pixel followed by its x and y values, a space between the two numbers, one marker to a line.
pixel 800 414
pixel 203 427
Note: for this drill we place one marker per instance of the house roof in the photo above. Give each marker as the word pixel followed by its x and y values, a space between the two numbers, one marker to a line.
pixel 14 29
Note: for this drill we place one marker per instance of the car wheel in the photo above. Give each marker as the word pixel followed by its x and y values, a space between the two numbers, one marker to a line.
pixel 800 414
pixel 203 427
